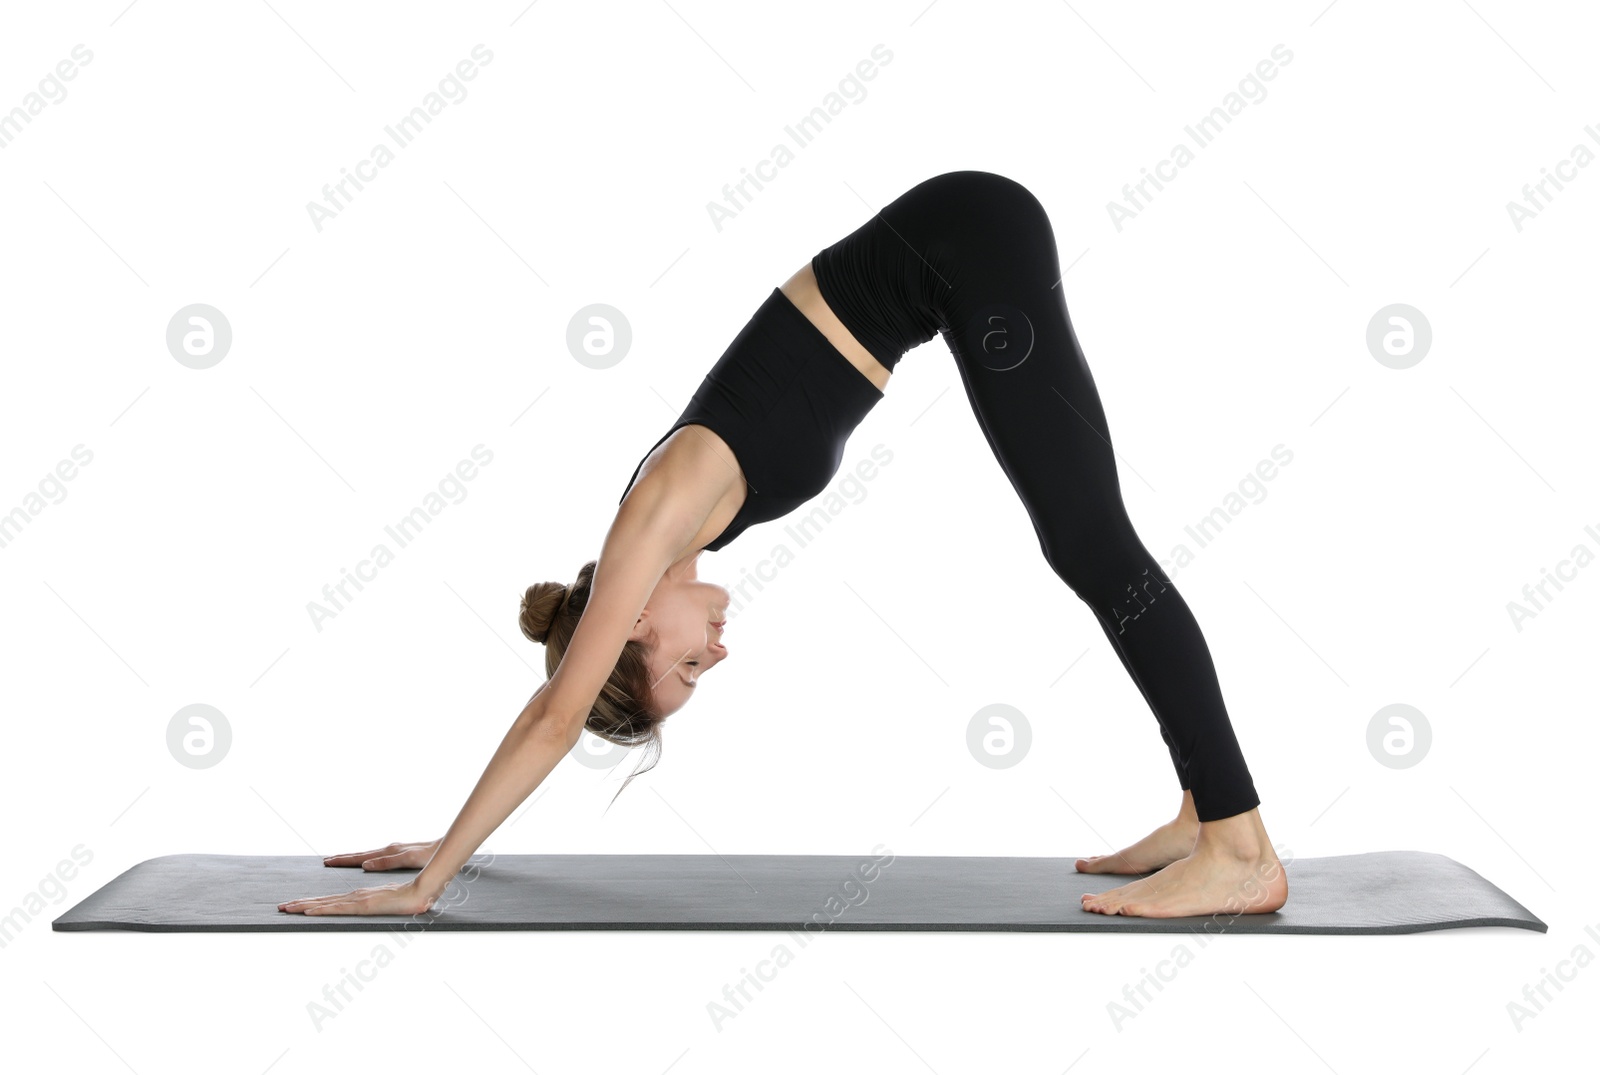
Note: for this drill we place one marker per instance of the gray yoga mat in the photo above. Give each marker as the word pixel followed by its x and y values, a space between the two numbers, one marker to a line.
pixel 1377 892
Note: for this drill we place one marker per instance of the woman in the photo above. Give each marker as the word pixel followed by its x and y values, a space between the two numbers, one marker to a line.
pixel 967 254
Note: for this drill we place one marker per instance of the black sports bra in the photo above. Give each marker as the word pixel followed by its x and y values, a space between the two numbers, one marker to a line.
pixel 785 399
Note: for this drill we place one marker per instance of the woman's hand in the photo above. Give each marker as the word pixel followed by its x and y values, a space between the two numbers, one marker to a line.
pixel 402 898
pixel 396 856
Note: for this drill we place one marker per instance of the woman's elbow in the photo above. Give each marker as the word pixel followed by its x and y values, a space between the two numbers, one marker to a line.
pixel 552 725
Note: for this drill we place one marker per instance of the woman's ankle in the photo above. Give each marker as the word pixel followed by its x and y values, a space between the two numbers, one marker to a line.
pixel 1241 836
pixel 1187 816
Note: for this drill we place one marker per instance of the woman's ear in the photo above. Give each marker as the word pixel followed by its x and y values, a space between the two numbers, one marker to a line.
pixel 641 627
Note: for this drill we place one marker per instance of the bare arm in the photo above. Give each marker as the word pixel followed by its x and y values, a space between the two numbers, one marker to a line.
pixel 642 543
pixel 651 530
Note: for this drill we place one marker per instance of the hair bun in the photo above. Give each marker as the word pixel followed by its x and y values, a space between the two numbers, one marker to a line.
pixel 540 605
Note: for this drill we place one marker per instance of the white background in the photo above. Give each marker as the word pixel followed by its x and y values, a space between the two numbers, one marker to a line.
pixel 430 316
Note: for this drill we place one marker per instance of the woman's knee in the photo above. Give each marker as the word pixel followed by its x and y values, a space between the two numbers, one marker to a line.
pixel 1108 568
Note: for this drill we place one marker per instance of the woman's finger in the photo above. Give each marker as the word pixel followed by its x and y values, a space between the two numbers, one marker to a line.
pixel 324 905
pixel 300 904
pixel 382 899
pixel 319 901
pixel 396 850
pixel 337 907
pixel 355 858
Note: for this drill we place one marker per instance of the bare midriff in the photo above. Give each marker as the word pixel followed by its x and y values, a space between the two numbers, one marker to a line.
pixel 801 289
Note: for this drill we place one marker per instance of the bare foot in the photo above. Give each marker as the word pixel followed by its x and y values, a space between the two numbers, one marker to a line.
pixel 1167 844
pixel 1232 870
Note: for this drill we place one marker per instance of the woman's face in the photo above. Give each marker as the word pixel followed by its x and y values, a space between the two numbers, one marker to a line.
pixel 687 616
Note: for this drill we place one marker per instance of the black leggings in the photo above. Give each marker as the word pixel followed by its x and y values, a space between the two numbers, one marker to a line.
pixel 971 255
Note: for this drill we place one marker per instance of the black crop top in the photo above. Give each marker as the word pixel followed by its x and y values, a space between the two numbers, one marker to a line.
pixel 785 399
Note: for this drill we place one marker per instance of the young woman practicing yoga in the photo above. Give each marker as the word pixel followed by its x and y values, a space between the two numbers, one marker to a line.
pixel 970 255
